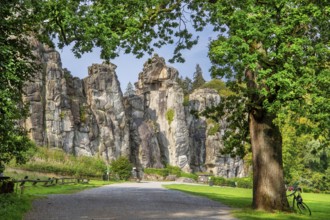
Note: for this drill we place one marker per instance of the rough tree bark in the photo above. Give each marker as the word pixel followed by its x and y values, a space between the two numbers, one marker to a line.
pixel 266 141
pixel 268 178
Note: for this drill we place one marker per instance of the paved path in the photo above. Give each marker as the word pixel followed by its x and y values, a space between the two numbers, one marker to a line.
pixel 145 200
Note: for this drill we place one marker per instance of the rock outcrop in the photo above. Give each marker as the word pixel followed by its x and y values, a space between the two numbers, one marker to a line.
pixel 163 131
pixel 83 117
pixel 153 126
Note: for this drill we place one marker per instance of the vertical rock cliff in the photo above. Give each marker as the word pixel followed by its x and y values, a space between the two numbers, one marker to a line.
pixel 157 118
pixel 153 127
pixel 163 131
pixel 83 117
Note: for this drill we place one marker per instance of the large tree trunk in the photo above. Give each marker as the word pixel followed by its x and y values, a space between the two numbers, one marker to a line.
pixel 268 179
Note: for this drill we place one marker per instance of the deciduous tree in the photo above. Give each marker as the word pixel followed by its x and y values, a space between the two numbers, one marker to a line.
pixel 280 50
pixel 16 66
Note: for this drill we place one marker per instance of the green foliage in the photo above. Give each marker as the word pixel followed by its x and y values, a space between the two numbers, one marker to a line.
pixel 233 182
pixel 173 170
pixel 156 171
pixel 193 176
pixel 122 167
pixel 198 80
pixel 16 67
pixel 213 129
pixel 83 114
pixel 170 170
pixel 62 115
pixel 282 57
pixel 56 161
pixel 305 160
pixel 133 27
pixel 12 206
pixel 219 86
pixel 169 115
pixel 186 100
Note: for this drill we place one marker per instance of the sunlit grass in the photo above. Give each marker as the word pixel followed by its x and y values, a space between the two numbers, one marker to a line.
pixel 240 200
pixel 54 160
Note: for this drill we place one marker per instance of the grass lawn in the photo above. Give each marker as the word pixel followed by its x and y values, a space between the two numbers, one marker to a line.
pixel 13 206
pixel 240 200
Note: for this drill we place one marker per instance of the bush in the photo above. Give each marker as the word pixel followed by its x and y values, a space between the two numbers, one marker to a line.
pixel 122 167
pixel 214 129
pixel 170 170
pixel 155 171
pixel 169 116
pixel 219 86
pixel 189 175
pixel 186 100
pixel 233 182
pixel 244 182
pixel 173 170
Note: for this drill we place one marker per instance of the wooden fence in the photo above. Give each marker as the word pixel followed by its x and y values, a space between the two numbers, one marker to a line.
pixel 21 184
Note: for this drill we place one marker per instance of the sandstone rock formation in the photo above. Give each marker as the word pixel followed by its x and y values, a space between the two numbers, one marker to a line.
pixel 83 117
pixel 153 126
pixel 163 131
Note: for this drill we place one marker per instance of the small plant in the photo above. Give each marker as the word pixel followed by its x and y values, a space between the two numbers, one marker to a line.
pixel 122 167
pixel 62 115
pixel 173 170
pixel 214 129
pixel 170 116
pixel 83 114
pixel 186 100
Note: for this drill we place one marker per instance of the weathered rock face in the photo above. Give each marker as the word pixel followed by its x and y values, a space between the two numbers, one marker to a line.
pixel 153 126
pixel 83 117
pixel 158 117
pixel 163 131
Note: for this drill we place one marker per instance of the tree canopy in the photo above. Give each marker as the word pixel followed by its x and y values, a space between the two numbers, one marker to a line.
pixel 16 65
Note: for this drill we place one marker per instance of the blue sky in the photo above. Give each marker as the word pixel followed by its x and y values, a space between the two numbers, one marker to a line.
pixel 128 67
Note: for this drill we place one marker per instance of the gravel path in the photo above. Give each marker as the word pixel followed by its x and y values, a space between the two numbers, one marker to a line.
pixel 145 200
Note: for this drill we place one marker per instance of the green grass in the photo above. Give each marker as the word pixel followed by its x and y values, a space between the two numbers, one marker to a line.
pixel 240 200
pixel 54 160
pixel 13 206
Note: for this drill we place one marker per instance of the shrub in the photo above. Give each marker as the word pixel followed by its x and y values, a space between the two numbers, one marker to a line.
pixel 170 116
pixel 219 86
pixel 170 170
pixel 189 175
pixel 233 182
pixel 214 129
pixel 173 170
pixel 83 114
pixel 156 171
pixel 186 100
pixel 244 182
pixel 122 167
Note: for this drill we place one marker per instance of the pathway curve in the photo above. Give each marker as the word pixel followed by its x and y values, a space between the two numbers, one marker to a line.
pixel 127 201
